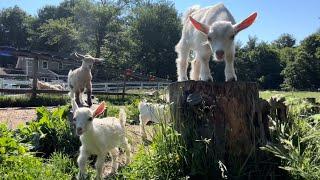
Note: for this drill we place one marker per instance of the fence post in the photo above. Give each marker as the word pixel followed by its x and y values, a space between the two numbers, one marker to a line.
pixel 124 86
pixel 35 77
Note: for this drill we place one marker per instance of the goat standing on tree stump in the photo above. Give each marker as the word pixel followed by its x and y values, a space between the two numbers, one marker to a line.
pixel 208 31
pixel 80 79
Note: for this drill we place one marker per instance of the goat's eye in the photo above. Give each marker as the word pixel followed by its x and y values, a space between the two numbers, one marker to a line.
pixel 232 37
pixel 90 119
pixel 209 39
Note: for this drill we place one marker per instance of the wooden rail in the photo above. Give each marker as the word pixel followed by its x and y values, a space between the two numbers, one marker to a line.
pixel 27 91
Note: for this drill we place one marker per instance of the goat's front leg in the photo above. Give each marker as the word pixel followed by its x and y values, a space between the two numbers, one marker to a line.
pixel 89 92
pixel 183 51
pixel 82 163
pixel 229 71
pixel 99 165
pixel 195 70
pixel 203 55
pixel 77 97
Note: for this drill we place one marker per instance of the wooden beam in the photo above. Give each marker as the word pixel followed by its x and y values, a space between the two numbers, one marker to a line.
pixel 29 91
pixel 35 77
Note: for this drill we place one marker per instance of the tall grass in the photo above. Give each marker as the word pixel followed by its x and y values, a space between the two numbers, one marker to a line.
pixel 297 143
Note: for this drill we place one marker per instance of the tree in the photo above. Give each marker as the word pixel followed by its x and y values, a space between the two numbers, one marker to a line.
pixel 155 28
pixel 15 27
pixel 58 36
pixel 304 72
pixel 285 40
pixel 96 21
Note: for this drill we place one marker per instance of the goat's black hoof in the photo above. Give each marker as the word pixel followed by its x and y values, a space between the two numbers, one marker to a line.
pixel 232 80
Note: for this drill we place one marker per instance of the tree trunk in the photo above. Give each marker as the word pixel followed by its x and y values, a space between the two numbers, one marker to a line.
pixel 224 116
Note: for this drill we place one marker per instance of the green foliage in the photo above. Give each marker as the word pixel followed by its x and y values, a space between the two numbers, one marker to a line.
pixel 9 146
pixel 304 71
pixel 112 111
pixel 30 167
pixel 50 132
pixel 155 28
pixel 15 27
pixel 57 35
pixel 297 143
pixel 133 112
pixel 163 159
pixel 27 101
pixel 285 41
pixel 16 162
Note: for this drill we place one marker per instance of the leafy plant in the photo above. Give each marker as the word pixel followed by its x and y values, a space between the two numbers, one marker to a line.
pixel 50 132
pixel 297 144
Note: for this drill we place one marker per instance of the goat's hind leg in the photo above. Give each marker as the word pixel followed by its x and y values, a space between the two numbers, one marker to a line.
pixel 114 157
pixel 127 148
pixel 142 127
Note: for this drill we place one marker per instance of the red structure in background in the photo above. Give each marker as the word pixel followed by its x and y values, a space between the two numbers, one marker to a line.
pixel 128 72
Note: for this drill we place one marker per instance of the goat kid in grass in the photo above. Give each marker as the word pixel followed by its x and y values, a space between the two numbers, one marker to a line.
pixel 80 79
pixel 151 112
pixel 99 136
pixel 208 31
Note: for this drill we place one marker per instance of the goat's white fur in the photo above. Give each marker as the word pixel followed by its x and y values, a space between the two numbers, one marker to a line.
pixel 80 79
pixel 150 112
pixel 100 136
pixel 219 27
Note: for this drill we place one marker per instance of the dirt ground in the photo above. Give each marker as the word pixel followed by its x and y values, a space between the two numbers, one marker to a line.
pixel 15 116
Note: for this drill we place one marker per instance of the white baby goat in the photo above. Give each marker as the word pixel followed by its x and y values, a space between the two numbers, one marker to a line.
pixel 99 137
pixel 208 31
pixel 150 112
pixel 80 79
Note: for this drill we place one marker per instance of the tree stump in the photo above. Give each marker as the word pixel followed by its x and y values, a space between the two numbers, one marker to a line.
pixel 223 116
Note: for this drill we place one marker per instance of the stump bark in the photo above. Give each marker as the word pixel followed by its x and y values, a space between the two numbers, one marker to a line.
pixel 224 116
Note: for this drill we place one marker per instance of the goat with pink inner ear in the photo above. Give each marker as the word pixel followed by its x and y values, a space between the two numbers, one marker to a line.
pixel 208 31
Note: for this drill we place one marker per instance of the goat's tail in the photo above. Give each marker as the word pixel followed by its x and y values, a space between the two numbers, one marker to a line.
pixel 189 12
pixel 122 117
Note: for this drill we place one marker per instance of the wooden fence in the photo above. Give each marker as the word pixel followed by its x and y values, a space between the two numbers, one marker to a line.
pixel 108 88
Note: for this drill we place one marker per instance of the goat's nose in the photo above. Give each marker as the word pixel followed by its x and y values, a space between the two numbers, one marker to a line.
pixel 220 53
pixel 79 130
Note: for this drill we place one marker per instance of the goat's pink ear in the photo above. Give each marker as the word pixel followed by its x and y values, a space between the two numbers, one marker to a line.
pixel 100 109
pixel 245 23
pixel 199 26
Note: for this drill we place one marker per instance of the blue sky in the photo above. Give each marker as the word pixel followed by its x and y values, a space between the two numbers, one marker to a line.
pixel 275 17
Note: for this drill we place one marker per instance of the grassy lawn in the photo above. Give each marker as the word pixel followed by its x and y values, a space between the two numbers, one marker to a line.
pixel 294 94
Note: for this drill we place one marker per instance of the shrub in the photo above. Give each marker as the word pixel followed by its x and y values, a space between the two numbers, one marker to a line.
pixel 50 132
pixel 27 101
